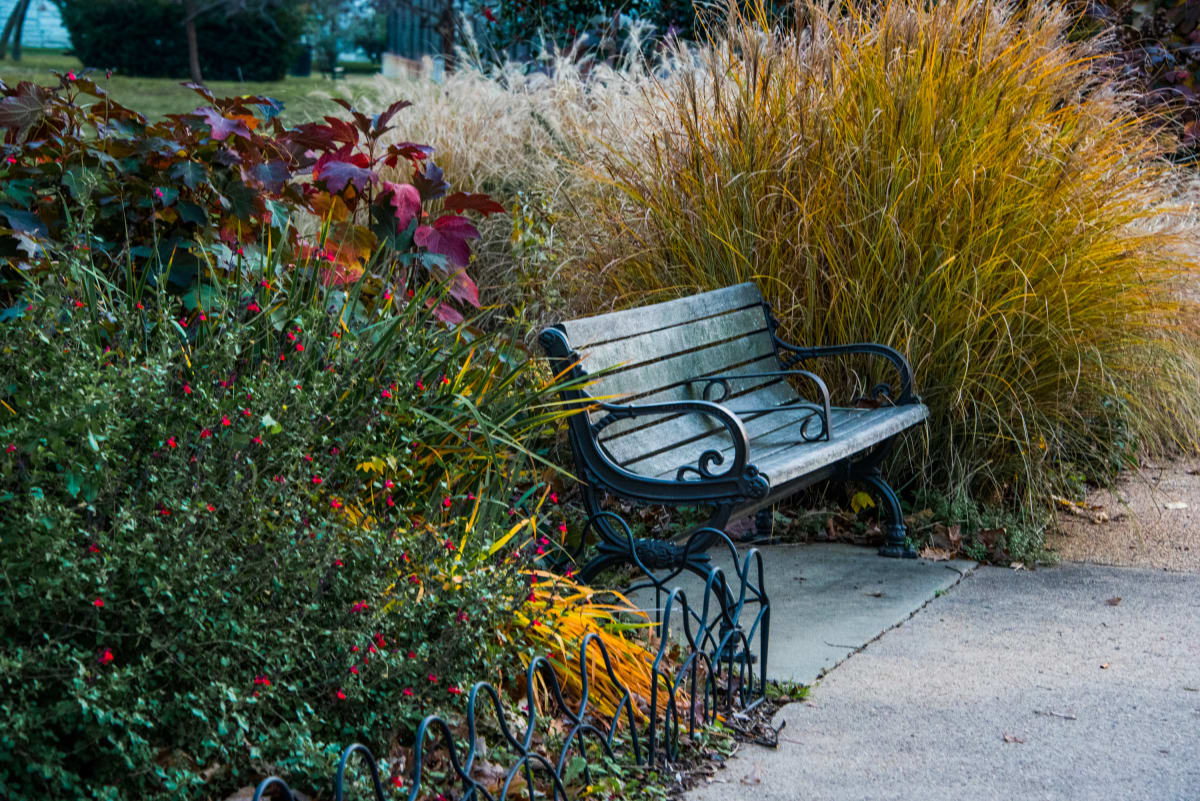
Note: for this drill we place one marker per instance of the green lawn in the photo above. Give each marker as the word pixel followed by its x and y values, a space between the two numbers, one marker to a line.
pixel 154 97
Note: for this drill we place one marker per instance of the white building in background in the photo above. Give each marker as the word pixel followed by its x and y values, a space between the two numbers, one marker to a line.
pixel 43 25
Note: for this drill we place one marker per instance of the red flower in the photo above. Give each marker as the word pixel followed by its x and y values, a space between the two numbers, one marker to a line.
pixel 359 606
pixel 449 545
pixel 245 412
pixel 93 548
pixel 299 347
pixel 354 669
pixel 308 457
pixel 291 336
pixel 105 657
pixel 390 502
pixel 339 563
pixel 540 550
pixel 461 617
pixel 205 433
pixel 562 528
pixel 570 573
pixel 210 507
pixel 253 307
pixel 225 421
pixel 389 483
pixel 10 448
pixel 316 479
pixel 98 603
pixel 341 695
pixel 79 304
pixel 412 654
pixel 171 442
pixel 71 75
pixel 420 386
pixel 397 781
pixel 385 394
pixel 408 691
pixel 335 503
pixel 445 380
pixel 453 690
pixel 432 678
pixel 164 512
pixel 446 502
pixel 554 497
pixel 187 389
pixel 257 440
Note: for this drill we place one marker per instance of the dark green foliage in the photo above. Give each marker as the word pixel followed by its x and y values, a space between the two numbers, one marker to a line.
pixel 146 37
pixel 198 554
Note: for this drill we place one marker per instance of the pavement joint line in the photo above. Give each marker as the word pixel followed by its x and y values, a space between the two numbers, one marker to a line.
pixel 962 575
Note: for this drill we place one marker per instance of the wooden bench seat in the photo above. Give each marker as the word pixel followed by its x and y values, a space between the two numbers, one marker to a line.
pixel 698 401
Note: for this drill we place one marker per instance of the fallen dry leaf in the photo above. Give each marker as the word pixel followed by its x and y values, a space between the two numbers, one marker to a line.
pixel 1012 738
pixel 1017 565
pixel 936 554
pixel 1173 505
pixel 1114 601
pixel 1091 512
pixel 1104 666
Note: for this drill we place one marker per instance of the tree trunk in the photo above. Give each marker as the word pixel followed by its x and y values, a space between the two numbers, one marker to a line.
pixel 18 12
pixel 193 46
pixel 22 10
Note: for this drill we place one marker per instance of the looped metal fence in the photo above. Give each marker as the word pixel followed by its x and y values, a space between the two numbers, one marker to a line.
pixel 711 659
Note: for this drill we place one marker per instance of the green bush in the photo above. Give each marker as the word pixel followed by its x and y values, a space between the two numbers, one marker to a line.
pixel 241 530
pixel 146 37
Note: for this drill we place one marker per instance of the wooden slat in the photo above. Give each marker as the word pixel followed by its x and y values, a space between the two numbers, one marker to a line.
pixel 643 379
pixel 605 327
pixel 710 332
pixel 790 461
pixel 664 462
pixel 677 431
pixel 778 451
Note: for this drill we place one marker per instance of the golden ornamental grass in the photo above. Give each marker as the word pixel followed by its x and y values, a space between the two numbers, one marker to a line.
pixel 955 179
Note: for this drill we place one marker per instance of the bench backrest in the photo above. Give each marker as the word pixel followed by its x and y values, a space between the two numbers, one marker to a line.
pixel 652 351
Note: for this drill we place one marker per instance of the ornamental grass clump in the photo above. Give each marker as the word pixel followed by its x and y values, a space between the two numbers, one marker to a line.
pixel 958 180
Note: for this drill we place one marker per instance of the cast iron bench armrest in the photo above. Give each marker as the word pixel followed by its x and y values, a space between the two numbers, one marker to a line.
pixel 820 409
pixel 897 360
pixel 733 426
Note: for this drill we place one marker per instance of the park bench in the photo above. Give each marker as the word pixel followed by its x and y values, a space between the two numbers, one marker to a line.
pixel 698 402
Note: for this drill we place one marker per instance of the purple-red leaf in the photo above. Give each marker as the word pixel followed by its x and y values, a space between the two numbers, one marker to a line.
pixel 448 236
pixel 223 127
pixel 464 290
pixel 447 314
pixel 379 124
pixel 24 109
pixel 343 167
pixel 461 201
pixel 431 182
pixel 407 201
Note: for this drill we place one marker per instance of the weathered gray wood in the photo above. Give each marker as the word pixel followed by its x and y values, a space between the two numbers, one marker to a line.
pixel 782 456
pixel 605 327
pixel 632 384
pixel 677 431
pixel 631 352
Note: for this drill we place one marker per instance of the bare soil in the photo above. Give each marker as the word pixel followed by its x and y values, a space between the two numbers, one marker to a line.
pixel 1151 518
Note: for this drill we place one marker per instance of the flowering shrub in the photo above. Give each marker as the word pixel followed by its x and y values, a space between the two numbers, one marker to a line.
pixel 201 195
pixel 240 534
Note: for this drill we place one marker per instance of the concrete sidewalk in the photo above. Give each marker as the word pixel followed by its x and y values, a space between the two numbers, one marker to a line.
pixel 1011 685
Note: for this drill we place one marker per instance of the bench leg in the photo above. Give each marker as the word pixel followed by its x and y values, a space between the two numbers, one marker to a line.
pixel 895 538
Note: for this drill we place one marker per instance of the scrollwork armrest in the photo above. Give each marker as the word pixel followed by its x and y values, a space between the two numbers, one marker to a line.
pixel 819 409
pixel 879 391
pixel 733 426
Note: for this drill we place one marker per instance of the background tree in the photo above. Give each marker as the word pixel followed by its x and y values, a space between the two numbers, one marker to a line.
pixel 193 10
pixel 15 26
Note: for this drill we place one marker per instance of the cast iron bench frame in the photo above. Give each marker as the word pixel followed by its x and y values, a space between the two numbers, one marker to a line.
pixel 742 488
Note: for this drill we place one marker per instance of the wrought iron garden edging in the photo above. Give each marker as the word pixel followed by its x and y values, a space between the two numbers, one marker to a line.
pixel 721 668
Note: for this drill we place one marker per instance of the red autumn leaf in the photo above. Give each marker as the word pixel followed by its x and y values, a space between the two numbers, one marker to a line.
pixel 222 127
pixel 464 290
pixel 25 108
pixel 447 313
pixel 343 167
pixel 462 201
pixel 407 201
pixel 448 236
pixel 379 123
